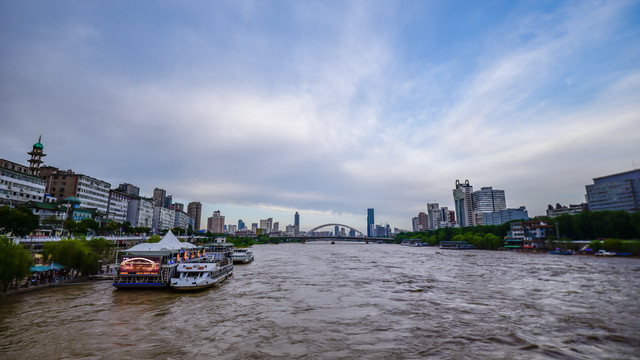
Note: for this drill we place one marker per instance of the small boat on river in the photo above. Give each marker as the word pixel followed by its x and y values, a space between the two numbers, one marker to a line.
pixel 242 256
pixel 200 275
pixel 456 245
pixel 605 253
pixel 561 252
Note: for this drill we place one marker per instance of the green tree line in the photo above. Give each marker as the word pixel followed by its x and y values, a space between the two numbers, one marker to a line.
pixel 434 237
pixel 599 224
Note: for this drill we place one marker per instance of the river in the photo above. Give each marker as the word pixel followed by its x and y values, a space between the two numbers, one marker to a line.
pixel 346 301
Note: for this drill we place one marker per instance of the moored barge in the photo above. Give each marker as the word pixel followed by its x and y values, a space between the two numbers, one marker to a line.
pixel 152 265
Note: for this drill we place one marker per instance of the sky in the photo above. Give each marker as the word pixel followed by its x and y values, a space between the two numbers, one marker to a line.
pixel 264 108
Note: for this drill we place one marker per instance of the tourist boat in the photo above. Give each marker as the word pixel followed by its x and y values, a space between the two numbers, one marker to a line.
pixel 243 256
pixel 152 265
pixel 200 275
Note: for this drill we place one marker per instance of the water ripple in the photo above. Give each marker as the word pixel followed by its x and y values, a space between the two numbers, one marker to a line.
pixel 345 301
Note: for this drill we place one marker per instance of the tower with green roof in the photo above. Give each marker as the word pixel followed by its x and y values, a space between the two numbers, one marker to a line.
pixel 36 157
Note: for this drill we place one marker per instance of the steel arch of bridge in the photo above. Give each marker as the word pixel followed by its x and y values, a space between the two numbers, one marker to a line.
pixel 308 234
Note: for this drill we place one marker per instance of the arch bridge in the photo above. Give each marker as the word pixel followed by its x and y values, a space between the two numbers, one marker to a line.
pixel 308 234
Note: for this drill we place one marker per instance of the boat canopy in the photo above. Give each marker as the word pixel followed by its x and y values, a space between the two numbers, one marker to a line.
pixel 168 242
pixel 52 266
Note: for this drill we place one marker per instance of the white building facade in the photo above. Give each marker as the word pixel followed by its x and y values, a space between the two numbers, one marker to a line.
pixel 17 186
pixel 462 197
pixel 181 220
pixel 93 193
pixel 140 212
pixel 434 216
pixel 163 218
pixel 118 206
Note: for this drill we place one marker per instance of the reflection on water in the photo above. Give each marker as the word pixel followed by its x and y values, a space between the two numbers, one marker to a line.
pixel 317 300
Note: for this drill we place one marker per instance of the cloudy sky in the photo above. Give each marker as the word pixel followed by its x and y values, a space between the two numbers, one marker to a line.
pixel 260 109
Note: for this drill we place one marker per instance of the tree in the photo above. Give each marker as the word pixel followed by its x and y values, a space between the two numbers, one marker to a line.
pixel 14 262
pixel 113 227
pixel 101 246
pixel 73 254
pixel 141 230
pixel 70 226
pixel 178 231
pixel 88 224
pixel 126 227
pixel 154 239
pixel 19 222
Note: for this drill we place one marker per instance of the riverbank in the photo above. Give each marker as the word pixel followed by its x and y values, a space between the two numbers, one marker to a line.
pixel 27 286
pixel 23 288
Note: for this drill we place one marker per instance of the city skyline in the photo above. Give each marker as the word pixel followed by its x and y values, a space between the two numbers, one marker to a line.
pixel 261 110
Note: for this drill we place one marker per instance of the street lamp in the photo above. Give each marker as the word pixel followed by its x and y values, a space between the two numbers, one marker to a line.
pixel 10 202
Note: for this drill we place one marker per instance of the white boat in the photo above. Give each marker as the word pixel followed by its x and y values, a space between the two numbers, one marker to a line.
pixel 605 253
pixel 244 256
pixel 200 275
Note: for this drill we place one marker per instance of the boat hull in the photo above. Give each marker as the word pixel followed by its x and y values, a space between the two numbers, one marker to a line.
pixel 190 284
pixel 242 260
pixel 133 285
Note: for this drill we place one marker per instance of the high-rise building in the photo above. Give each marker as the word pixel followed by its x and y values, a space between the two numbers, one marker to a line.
pixel 276 227
pixel 290 230
pixel 414 224
pixel 91 192
pixel 434 216
pixel 485 201
pixel 615 192
pixel 448 217
pixel 178 206
pixel 296 224
pixel 159 196
pixel 240 224
pixel 118 206
pixel 182 220
pixel 462 197
pixel 336 231
pixel 254 227
pixel 215 224
pixel 129 189
pixel 423 221
pixel 163 218
pixel 371 229
pixel 168 201
pixel 140 212
pixel 266 225
pixel 194 209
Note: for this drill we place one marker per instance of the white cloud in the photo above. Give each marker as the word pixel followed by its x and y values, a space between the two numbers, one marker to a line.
pixel 332 119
